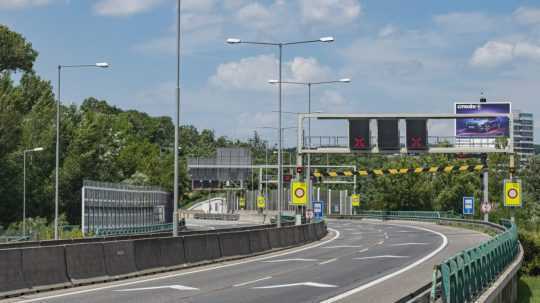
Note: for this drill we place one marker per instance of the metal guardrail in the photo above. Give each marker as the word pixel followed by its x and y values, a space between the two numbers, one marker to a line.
pixel 383 214
pixel 134 230
pixel 7 239
pixel 221 217
pixel 466 275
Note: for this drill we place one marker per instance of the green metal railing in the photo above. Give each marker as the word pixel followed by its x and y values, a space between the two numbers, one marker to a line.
pixel 467 274
pixel 134 230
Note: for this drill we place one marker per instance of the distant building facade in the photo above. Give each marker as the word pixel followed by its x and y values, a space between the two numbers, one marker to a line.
pixel 523 136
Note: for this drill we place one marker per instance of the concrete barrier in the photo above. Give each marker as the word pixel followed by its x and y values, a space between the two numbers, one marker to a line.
pixel 172 251
pixel 11 273
pixel 258 240
pixel 201 247
pixel 85 262
pixel 119 258
pixel 147 253
pixel 274 237
pixel 234 243
pixel 45 267
pixel 48 267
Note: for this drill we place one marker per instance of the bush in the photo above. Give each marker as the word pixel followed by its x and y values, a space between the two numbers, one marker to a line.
pixel 531 248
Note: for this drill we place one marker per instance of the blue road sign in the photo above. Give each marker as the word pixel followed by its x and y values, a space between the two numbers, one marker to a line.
pixel 318 209
pixel 468 205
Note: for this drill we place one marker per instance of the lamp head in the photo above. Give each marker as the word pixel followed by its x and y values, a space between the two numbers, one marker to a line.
pixel 102 64
pixel 233 40
pixel 345 80
pixel 326 39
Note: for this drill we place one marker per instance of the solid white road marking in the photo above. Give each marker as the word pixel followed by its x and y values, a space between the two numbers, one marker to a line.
pixel 291 260
pixel 310 284
pixel 386 235
pixel 336 236
pixel 391 275
pixel 253 281
pixel 381 257
pixel 328 261
pixel 407 244
pixel 343 246
pixel 176 287
pixel 363 250
pixel 380 243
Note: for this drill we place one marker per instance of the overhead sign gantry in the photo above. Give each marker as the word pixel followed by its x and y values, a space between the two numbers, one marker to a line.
pixel 388 138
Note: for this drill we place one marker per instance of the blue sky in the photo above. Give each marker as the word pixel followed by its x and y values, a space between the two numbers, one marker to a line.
pixel 402 56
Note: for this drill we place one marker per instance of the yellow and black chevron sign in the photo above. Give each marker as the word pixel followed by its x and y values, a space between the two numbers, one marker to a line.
pixel 397 171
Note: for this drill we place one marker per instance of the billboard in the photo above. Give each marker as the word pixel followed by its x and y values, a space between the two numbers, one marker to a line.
pixel 483 127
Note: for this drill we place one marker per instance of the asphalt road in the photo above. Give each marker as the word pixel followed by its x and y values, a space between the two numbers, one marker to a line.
pixel 355 257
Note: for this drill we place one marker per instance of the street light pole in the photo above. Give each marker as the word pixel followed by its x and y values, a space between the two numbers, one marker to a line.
pixel 177 124
pixel 57 161
pixel 280 160
pixel 309 84
pixel 24 186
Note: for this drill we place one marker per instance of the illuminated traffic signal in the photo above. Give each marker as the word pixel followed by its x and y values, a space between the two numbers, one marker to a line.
pixel 359 136
pixel 388 134
pixel 417 134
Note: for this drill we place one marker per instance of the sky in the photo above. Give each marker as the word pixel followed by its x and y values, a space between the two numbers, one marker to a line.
pixel 417 56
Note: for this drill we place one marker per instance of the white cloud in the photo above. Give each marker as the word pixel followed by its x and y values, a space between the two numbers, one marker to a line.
pixel 388 31
pixel 122 8
pixel 495 53
pixel 527 15
pixel 330 12
pixel 467 22
pixel 20 4
pixel 332 101
pixel 254 72
pixel 256 15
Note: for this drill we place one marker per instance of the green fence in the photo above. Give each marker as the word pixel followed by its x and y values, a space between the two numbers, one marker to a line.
pixel 134 230
pixel 467 274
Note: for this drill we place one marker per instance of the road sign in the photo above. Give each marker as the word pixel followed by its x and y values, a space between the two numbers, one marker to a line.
pixel 261 202
pixel 468 205
pixel 242 202
pixel 512 193
pixel 355 200
pixel 318 209
pixel 299 169
pixel 299 193
pixel 309 214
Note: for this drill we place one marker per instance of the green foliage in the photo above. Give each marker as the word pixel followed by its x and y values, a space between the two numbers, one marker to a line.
pixel 15 53
pixel 531 248
pixel 529 289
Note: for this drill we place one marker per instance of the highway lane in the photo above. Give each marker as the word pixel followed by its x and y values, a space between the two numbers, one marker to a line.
pixel 356 253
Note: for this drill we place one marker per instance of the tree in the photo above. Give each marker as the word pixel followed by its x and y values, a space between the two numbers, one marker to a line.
pixel 15 53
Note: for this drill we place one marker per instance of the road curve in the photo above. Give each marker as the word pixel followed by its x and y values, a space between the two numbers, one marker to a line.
pixel 356 258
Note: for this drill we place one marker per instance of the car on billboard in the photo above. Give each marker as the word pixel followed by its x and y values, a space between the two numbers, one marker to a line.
pixel 482 125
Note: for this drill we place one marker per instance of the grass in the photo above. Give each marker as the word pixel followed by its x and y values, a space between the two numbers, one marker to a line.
pixel 529 289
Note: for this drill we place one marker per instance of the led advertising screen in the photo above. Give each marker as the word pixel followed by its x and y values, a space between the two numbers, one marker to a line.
pixel 483 127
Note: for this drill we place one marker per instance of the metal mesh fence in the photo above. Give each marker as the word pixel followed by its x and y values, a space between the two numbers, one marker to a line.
pixel 116 205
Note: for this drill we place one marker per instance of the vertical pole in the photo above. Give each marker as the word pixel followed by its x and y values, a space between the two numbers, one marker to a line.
pixel 24 195
pixel 260 180
pixel 83 221
pixel 485 179
pixel 57 161
pixel 512 167
pixel 177 125
pixel 280 164
pixel 266 174
pixel 308 169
